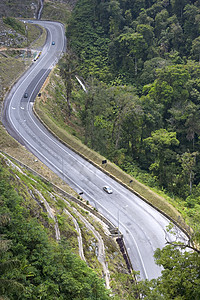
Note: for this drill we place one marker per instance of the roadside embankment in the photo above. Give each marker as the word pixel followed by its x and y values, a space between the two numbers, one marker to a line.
pixel 109 168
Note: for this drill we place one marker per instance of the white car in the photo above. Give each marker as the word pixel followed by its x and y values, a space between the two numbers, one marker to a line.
pixel 107 189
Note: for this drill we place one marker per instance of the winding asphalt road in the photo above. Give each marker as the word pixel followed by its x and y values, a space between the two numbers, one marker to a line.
pixel 143 228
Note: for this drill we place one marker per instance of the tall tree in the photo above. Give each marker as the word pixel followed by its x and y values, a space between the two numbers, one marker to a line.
pixel 68 67
pixel 195 50
pixel 131 47
pixel 178 6
pixel 188 162
pixel 160 142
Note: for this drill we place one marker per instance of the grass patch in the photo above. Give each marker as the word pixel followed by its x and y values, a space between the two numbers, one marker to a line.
pixel 17 151
pixel 10 69
pixel 6 140
pixel 16 8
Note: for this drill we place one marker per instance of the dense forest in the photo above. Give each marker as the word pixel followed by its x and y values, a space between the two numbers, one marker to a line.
pixel 140 61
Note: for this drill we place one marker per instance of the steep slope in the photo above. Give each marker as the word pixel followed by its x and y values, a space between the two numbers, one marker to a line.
pixel 36 216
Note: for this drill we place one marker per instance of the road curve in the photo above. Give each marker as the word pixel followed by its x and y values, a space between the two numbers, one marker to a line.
pixel 143 228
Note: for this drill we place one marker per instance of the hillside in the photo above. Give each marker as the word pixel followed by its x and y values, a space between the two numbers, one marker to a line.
pixel 44 231
pixel 33 217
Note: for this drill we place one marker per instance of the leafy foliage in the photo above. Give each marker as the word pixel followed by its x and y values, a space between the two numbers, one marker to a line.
pixel 180 277
pixel 34 266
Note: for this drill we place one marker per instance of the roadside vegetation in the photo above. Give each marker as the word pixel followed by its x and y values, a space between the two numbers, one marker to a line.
pixel 8 66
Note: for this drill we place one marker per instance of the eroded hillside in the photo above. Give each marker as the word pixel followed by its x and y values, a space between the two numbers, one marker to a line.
pixel 41 223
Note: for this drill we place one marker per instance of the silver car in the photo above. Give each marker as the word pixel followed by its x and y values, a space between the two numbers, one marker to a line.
pixel 107 189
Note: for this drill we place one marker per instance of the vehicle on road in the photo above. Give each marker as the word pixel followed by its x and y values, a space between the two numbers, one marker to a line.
pixel 107 189
pixel 53 43
pixel 26 95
